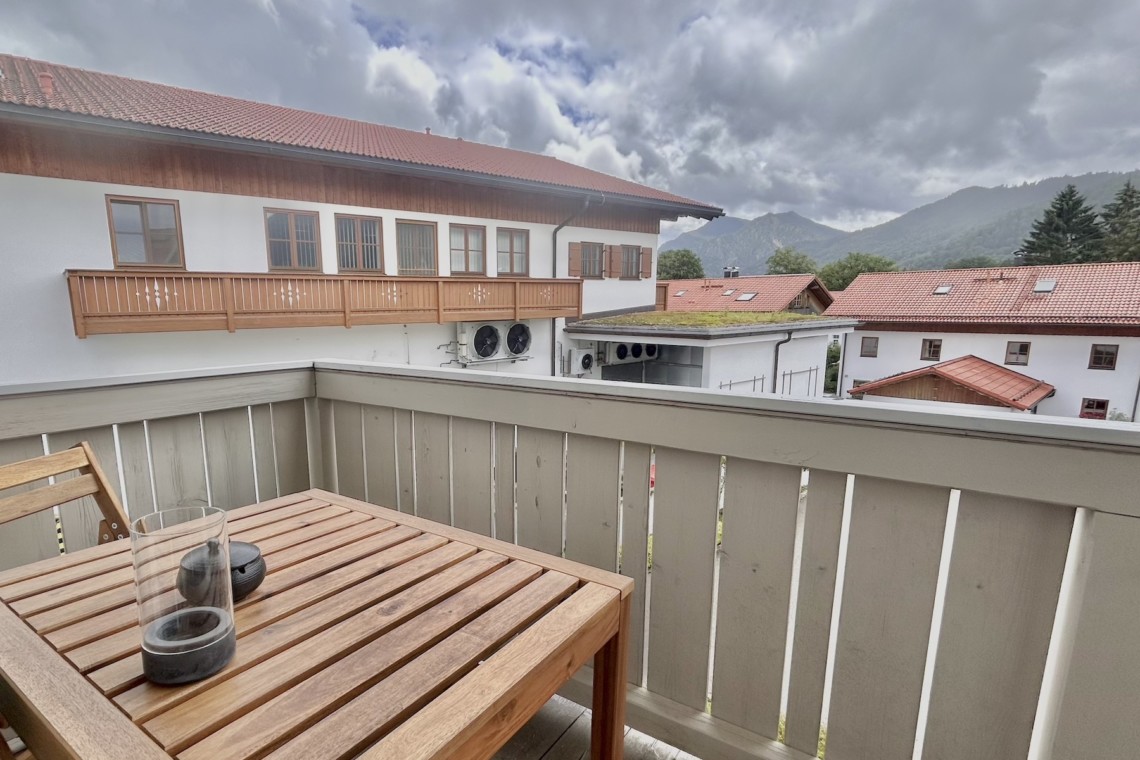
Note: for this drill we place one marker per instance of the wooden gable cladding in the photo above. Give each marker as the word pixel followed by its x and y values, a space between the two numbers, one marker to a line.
pixel 98 157
pixel 935 389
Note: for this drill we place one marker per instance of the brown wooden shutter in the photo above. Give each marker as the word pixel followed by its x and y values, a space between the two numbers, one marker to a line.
pixel 613 259
pixel 574 268
pixel 646 262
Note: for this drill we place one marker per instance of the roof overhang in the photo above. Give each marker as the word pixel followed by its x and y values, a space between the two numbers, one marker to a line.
pixel 66 119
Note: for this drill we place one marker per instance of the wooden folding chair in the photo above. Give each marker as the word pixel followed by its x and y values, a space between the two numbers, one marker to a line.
pixel 90 481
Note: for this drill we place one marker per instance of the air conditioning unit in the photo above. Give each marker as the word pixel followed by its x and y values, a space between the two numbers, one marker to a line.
pixel 581 361
pixel 626 353
pixel 489 341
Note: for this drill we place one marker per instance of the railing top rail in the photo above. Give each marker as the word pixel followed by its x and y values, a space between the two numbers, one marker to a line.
pixel 966 422
pixel 364 276
pixel 97 383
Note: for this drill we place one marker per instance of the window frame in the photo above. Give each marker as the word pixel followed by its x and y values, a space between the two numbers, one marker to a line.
pixel 435 237
pixel 601 261
pixel 1094 416
pixel 511 252
pixel 292 212
pixel 1027 345
pixel 141 201
pixel 1093 352
pixel 863 352
pixel 468 272
pixel 925 352
pixel 359 244
pixel 636 261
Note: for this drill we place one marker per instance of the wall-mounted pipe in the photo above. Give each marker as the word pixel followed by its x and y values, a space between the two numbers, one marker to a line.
pixel 776 359
pixel 554 273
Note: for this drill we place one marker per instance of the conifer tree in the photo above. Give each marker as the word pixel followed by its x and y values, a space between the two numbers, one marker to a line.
pixel 1122 225
pixel 1067 233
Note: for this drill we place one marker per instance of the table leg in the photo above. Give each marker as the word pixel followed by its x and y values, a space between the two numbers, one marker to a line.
pixel 607 736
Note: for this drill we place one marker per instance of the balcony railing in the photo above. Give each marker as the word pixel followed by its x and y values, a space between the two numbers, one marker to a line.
pixel 921 584
pixel 163 301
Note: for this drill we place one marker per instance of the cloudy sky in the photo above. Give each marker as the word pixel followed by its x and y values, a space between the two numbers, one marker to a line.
pixel 847 111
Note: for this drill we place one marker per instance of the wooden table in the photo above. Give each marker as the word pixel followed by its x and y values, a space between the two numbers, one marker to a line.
pixel 375 632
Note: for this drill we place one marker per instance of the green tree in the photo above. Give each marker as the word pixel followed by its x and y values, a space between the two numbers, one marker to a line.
pixel 679 265
pixel 974 262
pixel 787 260
pixel 831 370
pixel 1067 233
pixel 1122 225
pixel 838 274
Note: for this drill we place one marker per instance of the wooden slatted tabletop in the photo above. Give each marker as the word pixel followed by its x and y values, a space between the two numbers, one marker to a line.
pixel 375 633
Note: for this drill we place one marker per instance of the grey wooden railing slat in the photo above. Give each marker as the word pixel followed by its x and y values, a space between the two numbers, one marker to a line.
pixel 179 467
pixel 433 467
pixel 539 494
pixel 1001 596
pixel 592 472
pixel 349 441
pixel 137 489
pixel 380 464
pixel 755 589
pixel 504 482
pixel 289 444
pixel 634 540
pixel 471 474
pixel 405 462
pixel 263 451
pixel 894 547
pixel 1101 702
pixel 229 455
pixel 819 560
pixel 680 604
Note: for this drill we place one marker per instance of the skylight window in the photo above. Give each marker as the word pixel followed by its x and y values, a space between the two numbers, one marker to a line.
pixel 1045 286
pixel 745 296
pixel 942 290
pixel 679 293
pixel 728 292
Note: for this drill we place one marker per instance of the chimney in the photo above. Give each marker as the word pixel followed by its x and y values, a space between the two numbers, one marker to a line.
pixel 427 130
pixel 47 84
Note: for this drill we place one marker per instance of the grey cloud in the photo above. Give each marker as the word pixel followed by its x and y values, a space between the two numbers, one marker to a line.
pixel 839 109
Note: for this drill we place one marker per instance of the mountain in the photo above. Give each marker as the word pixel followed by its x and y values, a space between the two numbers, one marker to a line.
pixel 975 221
pixel 748 244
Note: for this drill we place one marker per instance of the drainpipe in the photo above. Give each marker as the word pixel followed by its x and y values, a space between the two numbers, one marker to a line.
pixel 842 363
pixel 554 273
pixel 1136 401
pixel 776 359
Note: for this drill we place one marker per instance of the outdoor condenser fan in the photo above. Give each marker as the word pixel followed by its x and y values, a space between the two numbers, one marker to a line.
pixel 485 342
pixel 587 362
pixel 518 338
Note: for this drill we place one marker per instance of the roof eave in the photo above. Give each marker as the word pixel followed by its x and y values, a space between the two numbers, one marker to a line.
pixel 706 333
pixel 667 209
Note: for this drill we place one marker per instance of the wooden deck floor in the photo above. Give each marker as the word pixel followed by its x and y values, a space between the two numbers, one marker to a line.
pixel 561 731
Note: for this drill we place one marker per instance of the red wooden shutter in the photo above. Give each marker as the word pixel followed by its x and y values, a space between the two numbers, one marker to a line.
pixel 613 258
pixel 574 269
pixel 646 262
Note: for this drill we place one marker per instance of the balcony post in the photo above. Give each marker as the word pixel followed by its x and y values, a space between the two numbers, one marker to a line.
pixel 79 318
pixel 228 300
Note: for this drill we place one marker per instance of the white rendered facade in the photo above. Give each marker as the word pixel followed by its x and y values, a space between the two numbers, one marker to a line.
pixel 1060 360
pixel 49 225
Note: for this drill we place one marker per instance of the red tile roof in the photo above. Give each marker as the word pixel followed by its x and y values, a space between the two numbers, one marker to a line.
pixel 1093 294
pixel 774 292
pixel 91 93
pixel 999 383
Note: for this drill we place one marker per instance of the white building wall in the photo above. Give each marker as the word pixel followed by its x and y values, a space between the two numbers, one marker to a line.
pixel 48 225
pixel 800 373
pixel 1060 360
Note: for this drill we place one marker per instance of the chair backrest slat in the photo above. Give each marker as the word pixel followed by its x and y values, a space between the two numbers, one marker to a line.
pixel 27 503
pixel 31 470
pixel 90 481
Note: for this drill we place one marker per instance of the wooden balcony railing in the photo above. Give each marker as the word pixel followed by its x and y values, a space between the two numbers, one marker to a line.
pixel 965 584
pixel 157 301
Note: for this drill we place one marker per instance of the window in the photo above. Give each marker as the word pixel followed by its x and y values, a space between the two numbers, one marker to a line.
pixel 869 346
pixel 514 252
pixel 293 239
pixel 1103 356
pixel 745 296
pixel 942 290
pixel 1017 353
pixel 931 349
pixel 145 232
pixel 415 248
pixel 631 262
pixel 728 292
pixel 468 245
pixel 1094 408
pixel 1044 286
pixel 593 258
pixel 679 293
pixel 802 301
pixel 359 244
